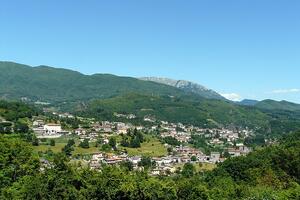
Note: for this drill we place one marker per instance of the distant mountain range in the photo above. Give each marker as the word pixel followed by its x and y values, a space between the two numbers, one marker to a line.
pixel 270 104
pixel 277 105
pixel 248 102
pixel 100 95
pixel 186 86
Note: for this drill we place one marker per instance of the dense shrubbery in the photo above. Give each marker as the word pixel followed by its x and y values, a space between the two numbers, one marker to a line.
pixel 132 139
pixel 171 141
pixel 12 111
pixel 270 173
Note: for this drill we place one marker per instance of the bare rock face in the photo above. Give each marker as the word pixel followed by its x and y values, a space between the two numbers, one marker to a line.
pixel 186 86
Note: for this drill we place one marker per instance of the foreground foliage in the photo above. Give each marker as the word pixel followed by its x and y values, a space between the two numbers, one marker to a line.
pixel 270 173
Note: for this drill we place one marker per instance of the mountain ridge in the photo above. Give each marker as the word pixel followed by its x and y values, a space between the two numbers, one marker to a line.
pixel 57 84
pixel 187 86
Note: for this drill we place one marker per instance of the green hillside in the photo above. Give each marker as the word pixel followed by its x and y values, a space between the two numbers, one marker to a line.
pixel 278 105
pixel 185 109
pixel 200 112
pixel 58 85
pixel 12 111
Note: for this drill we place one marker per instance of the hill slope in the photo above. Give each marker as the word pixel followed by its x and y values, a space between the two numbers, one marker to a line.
pixel 247 102
pixel 278 105
pixel 57 85
pixel 187 110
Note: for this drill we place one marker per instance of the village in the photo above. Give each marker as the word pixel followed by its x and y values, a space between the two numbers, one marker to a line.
pixel 230 141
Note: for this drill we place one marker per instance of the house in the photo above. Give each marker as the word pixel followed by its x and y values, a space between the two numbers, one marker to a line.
pixel 80 131
pixel 52 129
pixel 234 152
pixel 215 157
pixel 135 160
pixel 112 160
pixel 39 131
pixel 38 123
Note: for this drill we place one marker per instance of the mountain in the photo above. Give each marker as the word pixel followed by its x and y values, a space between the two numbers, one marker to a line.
pixel 204 112
pixel 50 84
pixel 186 86
pixel 247 102
pixel 100 95
pixel 277 105
pixel 200 112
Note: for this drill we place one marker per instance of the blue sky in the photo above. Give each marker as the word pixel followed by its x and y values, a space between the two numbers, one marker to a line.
pixel 242 48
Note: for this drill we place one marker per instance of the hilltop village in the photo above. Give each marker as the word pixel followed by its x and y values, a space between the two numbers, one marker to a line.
pixel 170 145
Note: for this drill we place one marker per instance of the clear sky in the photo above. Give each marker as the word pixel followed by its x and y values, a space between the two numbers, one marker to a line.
pixel 242 48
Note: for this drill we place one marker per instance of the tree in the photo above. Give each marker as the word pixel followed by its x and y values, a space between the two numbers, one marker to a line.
pixel 188 170
pixel 146 162
pixel 52 142
pixel 69 147
pixel 99 141
pixel 194 158
pixel 170 150
pixel 106 147
pixel 84 144
pixel 17 160
pixel 71 142
pixel 113 143
pixel 135 143
pixel 171 141
pixel 21 128
pixel 35 141
pixel 5 127
pixel 127 165
pixel 226 154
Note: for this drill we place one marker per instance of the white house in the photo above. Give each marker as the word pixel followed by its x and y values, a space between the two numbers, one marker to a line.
pixel 52 129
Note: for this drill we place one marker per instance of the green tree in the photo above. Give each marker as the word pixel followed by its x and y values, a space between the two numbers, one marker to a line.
pixel 52 142
pixel 21 128
pixel 84 144
pixel 127 165
pixel 69 147
pixel 113 143
pixel 194 158
pixel 17 160
pixel 35 141
pixel 146 162
pixel 106 147
pixel 188 170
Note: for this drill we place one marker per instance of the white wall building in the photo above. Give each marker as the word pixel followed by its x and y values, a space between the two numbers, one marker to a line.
pixel 52 129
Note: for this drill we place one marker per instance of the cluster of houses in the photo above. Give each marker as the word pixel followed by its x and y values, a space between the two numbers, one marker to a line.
pixel 167 164
pixel 127 116
pixel 164 165
pixel 213 136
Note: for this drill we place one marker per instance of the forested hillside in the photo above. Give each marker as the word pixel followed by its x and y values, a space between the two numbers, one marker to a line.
pixel 269 173
pixel 184 109
pixel 12 111
pixel 200 112
pixel 277 105
pixel 58 85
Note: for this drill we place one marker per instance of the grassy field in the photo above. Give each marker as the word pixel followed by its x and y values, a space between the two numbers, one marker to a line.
pixel 152 148
pixel 61 142
pixel 201 167
pixel 57 148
